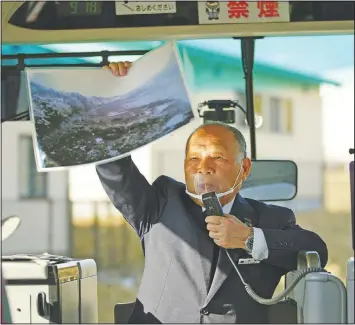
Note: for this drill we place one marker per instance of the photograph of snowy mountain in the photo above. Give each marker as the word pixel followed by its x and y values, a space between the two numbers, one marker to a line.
pixel 87 115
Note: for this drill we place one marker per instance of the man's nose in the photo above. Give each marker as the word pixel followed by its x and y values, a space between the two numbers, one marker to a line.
pixel 205 167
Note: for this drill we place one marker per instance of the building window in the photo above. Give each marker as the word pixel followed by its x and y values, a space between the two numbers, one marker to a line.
pixel 241 118
pixel 289 115
pixel 275 112
pixel 280 120
pixel 32 183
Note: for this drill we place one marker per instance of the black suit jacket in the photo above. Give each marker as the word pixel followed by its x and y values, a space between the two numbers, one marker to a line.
pixel 176 285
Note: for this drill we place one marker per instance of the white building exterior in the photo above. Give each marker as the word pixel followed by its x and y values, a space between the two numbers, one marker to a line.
pixel 39 199
pixel 339 118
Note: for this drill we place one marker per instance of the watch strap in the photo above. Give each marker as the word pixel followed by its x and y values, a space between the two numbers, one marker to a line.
pixel 249 243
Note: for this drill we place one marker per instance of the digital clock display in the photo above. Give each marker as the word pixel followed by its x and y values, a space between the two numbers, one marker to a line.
pixel 79 8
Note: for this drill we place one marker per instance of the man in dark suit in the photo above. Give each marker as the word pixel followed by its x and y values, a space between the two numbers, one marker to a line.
pixel 187 277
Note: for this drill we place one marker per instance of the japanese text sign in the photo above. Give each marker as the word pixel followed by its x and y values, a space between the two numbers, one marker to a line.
pixel 124 8
pixel 242 12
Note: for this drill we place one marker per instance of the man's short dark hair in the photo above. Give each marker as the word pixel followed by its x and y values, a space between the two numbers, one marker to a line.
pixel 238 135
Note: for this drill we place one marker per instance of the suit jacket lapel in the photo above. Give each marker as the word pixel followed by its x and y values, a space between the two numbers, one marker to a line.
pixel 205 251
pixel 245 213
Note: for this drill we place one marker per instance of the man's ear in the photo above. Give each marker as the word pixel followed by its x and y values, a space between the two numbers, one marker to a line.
pixel 247 167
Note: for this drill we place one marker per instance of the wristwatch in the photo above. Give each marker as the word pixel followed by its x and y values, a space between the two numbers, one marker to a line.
pixel 250 241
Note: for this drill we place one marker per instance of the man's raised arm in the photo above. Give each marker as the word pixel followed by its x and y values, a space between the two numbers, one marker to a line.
pixel 140 203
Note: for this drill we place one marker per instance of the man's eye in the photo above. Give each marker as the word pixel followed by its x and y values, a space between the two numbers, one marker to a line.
pixel 193 158
pixel 217 158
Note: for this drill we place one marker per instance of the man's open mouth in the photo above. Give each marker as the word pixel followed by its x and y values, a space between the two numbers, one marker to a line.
pixel 206 187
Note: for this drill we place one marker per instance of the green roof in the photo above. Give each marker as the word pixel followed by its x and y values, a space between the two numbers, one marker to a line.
pixel 193 50
pixel 267 69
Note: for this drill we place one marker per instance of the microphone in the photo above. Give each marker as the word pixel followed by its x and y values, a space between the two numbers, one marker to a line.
pixel 212 205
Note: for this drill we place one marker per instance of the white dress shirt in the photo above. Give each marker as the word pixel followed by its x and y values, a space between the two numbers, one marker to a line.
pixel 260 250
